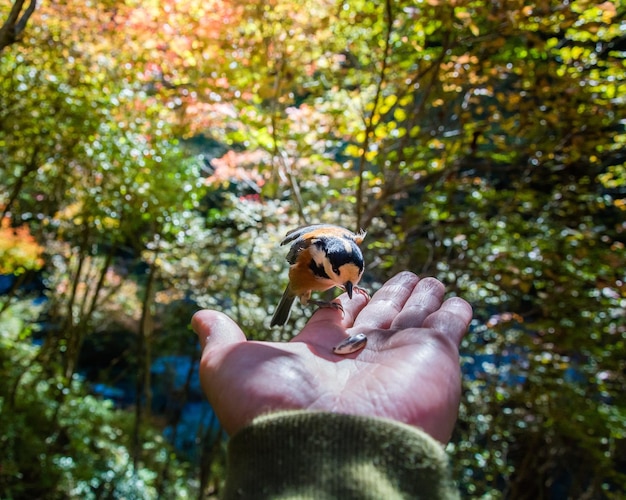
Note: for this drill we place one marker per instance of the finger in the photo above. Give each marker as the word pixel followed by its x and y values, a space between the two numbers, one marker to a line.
pixel 452 319
pixel 214 328
pixel 387 302
pixel 328 325
pixel 352 307
pixel 425 299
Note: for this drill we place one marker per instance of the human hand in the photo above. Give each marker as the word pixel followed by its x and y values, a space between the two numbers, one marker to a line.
pixel 409 370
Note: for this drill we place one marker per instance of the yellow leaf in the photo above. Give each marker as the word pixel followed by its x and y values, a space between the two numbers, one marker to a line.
pixel 370 155
pixel 399 114
pixel 390 100
pixel 354 150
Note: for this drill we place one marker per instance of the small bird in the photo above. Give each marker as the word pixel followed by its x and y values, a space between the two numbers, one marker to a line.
pixel 322 256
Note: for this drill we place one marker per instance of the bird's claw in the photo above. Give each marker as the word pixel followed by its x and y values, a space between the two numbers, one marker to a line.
pixel 328 305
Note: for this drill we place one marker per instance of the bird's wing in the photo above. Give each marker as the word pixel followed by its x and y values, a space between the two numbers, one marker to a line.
pixel 302 237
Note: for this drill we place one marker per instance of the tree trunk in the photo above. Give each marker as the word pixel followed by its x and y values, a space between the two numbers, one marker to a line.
pixel 144 360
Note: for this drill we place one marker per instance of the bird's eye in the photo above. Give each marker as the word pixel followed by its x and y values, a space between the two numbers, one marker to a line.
pixel 336 270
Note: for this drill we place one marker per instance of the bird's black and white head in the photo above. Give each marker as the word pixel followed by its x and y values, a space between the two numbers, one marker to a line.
pixel 339 260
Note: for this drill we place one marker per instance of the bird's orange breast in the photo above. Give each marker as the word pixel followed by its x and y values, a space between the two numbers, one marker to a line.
pixel 302 279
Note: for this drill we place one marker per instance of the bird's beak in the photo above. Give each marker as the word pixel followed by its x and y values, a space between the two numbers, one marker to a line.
pixel 349 287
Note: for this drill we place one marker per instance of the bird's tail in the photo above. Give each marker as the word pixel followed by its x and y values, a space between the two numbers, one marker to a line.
pixel 281 314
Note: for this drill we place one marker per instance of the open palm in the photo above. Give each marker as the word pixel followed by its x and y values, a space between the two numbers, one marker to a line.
pixel 409 370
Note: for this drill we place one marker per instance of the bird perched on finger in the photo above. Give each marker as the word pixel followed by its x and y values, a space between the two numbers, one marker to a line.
pixel 322 256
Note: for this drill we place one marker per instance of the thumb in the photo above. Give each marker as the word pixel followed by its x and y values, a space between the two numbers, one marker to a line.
pixel 215 328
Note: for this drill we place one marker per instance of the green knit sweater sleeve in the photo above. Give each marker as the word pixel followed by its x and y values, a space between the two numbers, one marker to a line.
pixel 320 455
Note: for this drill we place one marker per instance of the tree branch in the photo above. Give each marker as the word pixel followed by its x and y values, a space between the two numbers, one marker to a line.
pixel 371 124
pixel 16 22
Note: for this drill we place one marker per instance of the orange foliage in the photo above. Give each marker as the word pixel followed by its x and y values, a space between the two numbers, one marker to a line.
pixel 242 166
pixel 19 251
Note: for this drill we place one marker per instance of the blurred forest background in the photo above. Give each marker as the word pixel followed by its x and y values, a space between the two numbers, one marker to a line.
pixel 154 152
